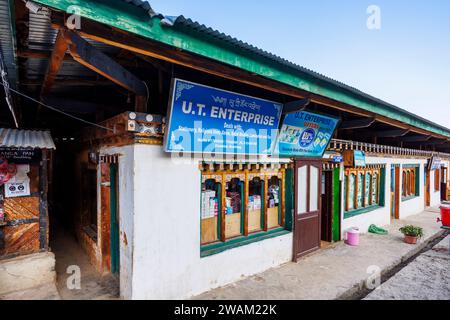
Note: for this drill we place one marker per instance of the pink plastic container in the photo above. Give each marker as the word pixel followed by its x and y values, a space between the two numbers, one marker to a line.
pixel 352 237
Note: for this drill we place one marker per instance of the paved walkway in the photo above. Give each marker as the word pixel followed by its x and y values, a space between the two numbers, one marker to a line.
pixel 337 272
pixel 426 278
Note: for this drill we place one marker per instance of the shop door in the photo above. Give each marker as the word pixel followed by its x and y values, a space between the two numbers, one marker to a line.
pixel 427 188
pixel 308 175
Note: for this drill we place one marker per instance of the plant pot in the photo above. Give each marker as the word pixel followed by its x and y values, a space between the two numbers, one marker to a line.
pixel 410 239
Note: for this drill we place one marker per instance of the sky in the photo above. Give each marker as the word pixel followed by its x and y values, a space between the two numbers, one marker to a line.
pixel 405 62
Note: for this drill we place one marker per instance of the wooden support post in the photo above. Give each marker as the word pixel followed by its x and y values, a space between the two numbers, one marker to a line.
pixel 55 63
pixel 43 203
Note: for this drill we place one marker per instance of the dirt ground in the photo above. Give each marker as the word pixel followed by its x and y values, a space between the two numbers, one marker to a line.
pixel 93 285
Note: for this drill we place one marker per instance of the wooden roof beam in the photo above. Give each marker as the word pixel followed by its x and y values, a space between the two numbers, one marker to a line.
pixel 357 124
pixel 391 133
pixel 87 55
pixel 295 106
pixel 416 138
pixel 55 63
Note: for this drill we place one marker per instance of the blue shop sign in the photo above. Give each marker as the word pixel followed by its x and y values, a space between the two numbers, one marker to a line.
pixel 305 134
pixel 359 158
pixel 337 159
pixel 203 119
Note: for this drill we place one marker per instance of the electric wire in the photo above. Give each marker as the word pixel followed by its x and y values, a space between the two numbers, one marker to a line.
pixel 57 110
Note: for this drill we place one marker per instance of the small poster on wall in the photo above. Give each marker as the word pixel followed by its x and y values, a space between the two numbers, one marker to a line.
pixel 19 185
pixel 17 189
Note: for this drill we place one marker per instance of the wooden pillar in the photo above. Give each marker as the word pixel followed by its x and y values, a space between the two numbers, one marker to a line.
pixel 43 203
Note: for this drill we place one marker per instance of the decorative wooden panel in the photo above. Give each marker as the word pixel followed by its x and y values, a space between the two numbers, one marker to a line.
pixel 105 235
pixel 21 239
pixel 22 208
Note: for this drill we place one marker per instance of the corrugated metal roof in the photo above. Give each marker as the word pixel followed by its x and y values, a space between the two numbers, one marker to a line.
pixel 14 138
pixel 142 4
pixel 42 37
pixel 183 22
pixel 7 43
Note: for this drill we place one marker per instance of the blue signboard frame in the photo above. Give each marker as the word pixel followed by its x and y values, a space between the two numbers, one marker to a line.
pixel 305 135
pixel 203 119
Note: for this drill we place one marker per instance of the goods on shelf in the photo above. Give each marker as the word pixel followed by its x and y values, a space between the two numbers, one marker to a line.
pixel 210 204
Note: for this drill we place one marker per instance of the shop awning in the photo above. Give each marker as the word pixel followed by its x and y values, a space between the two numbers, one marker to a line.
pixel 13 138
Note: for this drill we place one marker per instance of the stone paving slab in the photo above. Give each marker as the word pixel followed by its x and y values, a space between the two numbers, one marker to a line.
pixel 44 292
pixel 426 278
pixel 339 271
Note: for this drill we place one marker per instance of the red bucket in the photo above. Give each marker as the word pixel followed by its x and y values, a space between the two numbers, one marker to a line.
pixel 445 215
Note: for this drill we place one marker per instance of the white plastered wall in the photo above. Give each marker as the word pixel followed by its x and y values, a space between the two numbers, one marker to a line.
pixel 166 258
pixel 382 216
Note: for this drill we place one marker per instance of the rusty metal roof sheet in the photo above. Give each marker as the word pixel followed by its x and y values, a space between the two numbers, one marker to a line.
pixel 14 138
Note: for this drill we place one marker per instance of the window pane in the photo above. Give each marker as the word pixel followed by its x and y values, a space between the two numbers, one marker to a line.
pixel 314 189
pixel 351 192
pixel 210 208
pixel 255 205
pixel 375 188
pixel 273 203
pixel 233 207
pixel 367 189
pixel 301 187
pixel 360 189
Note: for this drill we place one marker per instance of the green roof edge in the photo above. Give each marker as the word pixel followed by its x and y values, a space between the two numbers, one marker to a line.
pixel 131 18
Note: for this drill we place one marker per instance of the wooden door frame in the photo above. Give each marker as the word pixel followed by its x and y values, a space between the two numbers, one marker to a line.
pixel 328 197
pixel 396 193
pixel 318 163
pixel 427 188
pixel 115 237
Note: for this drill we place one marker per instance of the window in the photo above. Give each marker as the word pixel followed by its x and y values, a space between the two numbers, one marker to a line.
pixel 241 205
pixel 437 180
pixel 361 189
pixel 410 180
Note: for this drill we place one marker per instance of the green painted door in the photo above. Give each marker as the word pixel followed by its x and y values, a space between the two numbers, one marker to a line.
pixel 115 249
pixel 336 205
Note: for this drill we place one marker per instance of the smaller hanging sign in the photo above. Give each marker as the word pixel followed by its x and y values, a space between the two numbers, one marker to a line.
pixel 359 158
pixel 434 163
pixel 18 155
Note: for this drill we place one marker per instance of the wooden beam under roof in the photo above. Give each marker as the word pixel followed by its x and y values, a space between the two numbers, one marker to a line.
pixel 391 133
pixel 87 55
pixel 416 138
pixel 357 123
pixel 55 63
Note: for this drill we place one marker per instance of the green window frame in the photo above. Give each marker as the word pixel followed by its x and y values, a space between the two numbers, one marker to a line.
pixel 221 242
pixel 363 190
pixel 410 181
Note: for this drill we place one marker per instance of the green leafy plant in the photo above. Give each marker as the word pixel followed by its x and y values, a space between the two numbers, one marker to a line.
pixel 412 231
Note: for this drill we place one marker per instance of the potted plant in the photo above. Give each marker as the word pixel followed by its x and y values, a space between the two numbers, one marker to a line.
pixel 412 233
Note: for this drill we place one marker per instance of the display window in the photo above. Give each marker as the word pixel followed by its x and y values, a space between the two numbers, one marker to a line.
pixel 437 180
pixel 238 204
pixel 361 189
pixel 410 182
